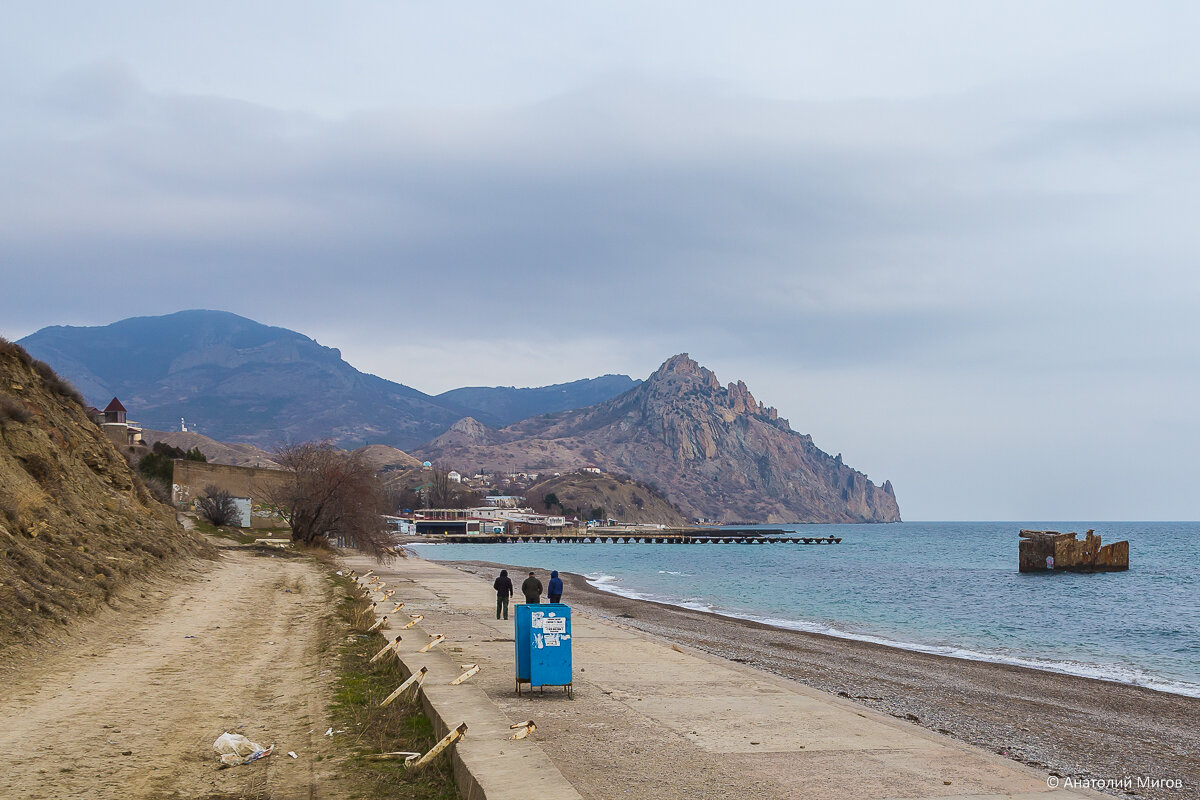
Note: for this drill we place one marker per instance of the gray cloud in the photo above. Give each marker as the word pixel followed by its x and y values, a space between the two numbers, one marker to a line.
pixel 969 243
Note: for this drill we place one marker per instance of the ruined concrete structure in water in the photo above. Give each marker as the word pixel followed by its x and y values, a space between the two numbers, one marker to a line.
pixel 1045 551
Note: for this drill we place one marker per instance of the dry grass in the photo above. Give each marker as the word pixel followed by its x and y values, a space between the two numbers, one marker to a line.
pixel 12 409
pixel 370 729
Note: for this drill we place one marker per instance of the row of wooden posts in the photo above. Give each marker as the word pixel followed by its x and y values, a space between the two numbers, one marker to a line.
pixel 376 590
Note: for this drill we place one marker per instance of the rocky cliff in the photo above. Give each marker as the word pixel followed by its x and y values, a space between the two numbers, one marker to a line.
pixel 75 522
pixel 714 451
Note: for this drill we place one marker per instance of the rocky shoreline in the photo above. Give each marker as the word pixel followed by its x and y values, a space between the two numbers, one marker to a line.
pixel 1075 728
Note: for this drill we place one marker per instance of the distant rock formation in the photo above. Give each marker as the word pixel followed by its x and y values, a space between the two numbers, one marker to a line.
pixel 467 432
pixel 713 450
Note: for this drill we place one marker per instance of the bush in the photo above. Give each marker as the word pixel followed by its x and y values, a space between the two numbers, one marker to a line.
pixel 156 465
pixel 13 409
pixel 57 385
pixel 159 489
pixel 217 506
pixel 40 469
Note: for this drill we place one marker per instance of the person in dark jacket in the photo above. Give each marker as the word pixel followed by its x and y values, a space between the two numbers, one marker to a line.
pixel 554 588
pixel 532 589
pixel 504 590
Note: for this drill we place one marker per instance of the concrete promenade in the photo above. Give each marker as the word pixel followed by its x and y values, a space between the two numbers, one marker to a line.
pixel 651 719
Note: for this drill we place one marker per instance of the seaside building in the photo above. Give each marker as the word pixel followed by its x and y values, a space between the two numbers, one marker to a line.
pixel 504 500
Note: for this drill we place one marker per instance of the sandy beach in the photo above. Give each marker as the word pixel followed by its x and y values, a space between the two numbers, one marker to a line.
pixel 1067 725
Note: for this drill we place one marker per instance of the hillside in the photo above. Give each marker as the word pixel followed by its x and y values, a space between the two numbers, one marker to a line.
pixel 233 454
pixel 236 380
pixel 497 406
pixel 620 497
pixel 715 451
pixel 75 522
pixel 388 459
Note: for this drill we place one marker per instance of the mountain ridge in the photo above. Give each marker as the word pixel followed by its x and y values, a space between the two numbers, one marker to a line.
pixel 238 380
pixel 717 452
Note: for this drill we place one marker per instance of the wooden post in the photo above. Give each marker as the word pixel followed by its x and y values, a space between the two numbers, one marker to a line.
pixel 471 669
pixel 447 740
pixel 527 727
pixel 413 680
pixel 436 641
pixel 393 645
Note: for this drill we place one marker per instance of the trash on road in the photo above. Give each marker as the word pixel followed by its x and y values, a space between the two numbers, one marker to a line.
pixel 235 749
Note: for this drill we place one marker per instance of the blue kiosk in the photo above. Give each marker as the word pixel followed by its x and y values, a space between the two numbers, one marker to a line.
pixel 543 636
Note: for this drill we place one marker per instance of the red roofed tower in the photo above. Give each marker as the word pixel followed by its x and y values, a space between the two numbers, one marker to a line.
pixel 114 412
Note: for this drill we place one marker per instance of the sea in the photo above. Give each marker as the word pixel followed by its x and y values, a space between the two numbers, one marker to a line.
pixel 950 588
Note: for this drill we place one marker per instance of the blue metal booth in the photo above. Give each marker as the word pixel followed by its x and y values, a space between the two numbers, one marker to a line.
pixel 543 636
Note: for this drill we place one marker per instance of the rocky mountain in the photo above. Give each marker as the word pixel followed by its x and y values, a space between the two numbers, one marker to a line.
pixel 503 405
pixel 236 380
pixel 467 432
pixel 713 450
pixel 75 522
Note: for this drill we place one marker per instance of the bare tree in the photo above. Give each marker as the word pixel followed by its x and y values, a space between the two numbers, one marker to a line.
pixel 216 505
pixel 441 492
pixel 332 494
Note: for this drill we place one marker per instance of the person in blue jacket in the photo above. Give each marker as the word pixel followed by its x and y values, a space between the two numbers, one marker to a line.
pixel 554 589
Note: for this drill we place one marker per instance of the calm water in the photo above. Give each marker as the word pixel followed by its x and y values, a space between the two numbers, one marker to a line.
pixel 942 587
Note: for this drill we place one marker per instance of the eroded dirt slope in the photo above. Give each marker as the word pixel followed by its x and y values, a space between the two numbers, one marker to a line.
pixel 75 522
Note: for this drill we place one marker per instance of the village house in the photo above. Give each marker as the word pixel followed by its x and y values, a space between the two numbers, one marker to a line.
pixel 114 421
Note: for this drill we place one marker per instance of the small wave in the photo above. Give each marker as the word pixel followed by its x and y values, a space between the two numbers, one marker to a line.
pixel 1113 673
pixel 672 572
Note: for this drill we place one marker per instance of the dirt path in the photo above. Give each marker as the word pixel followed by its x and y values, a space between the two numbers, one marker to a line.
pixel 130 707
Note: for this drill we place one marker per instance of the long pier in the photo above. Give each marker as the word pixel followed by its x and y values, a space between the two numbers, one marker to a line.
pixel 711 536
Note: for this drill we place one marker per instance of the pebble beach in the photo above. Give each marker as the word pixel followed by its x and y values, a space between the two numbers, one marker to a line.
pixel 1121 739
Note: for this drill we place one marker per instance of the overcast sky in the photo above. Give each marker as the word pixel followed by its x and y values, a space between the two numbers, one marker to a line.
pixel 955 242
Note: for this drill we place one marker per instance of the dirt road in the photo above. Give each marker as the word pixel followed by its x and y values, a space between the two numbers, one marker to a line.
pixel 129 706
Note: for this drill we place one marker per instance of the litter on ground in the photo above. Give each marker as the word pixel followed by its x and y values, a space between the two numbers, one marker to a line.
pixel 235 749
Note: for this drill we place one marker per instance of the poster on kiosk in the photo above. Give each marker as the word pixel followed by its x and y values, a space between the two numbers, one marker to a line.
pixel 543 637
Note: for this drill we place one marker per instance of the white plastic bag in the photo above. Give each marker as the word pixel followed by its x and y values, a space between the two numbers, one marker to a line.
pixel 236 749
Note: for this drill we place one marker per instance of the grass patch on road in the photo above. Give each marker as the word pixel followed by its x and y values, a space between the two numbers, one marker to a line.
pixel 235 534
pixel 364 728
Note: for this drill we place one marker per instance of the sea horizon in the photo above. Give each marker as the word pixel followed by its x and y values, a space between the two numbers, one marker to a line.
pixel 949 588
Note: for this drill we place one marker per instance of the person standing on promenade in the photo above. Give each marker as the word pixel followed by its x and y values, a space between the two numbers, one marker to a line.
pixel 532 589
pixel 504 590
pixel 554 588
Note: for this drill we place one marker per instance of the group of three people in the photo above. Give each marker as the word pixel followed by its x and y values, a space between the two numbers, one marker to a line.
pixel 531 588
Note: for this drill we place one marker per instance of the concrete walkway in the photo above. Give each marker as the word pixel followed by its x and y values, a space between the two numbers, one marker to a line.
pixel 655 720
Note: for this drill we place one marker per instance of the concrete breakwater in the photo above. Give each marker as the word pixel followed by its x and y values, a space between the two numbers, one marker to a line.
pixel 666 536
